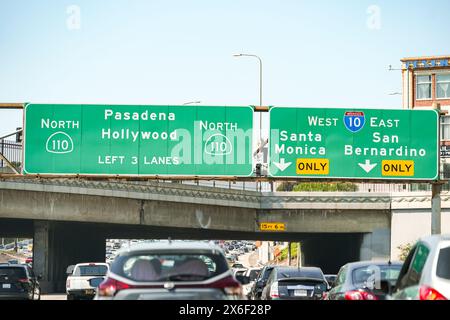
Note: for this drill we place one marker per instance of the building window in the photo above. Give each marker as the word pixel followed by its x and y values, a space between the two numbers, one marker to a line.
pixel 423 87
pixel 443 86
pixel 445 128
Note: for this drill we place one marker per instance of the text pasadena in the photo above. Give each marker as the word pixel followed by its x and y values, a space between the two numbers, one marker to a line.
pixel 126 134
pixel 117 115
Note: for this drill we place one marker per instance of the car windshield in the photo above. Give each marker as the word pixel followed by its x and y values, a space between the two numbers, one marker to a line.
pixel 299 273
pixel 240 272
pixel 266 274
pixel 253 274
pixel 443 265
pixel 365 276
pixel 12 272
pixel 173 267
pixel 90 271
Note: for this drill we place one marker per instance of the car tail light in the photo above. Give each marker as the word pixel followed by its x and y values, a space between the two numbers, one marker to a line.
pixel 229 285
pixel 274 290
pixel 427 293
pixel 234 291
pixel 110 287
pixel 23 280
pixel 359 295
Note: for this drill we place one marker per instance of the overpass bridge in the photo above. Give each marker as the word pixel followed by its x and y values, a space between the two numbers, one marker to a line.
pixel 70 219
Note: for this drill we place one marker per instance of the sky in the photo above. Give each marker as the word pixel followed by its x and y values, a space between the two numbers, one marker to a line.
pixel 315 53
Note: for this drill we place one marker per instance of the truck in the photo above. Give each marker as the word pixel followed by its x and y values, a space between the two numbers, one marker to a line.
pixel 84 278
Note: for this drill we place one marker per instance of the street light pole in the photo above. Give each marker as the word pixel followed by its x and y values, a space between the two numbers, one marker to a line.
pixel 260 87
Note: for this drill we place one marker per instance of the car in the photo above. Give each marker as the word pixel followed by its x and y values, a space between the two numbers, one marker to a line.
pixel 365 280
pixel 260 282
pixel 425 274
pixel 237 265
pixel 230 258
pixel 292 283
pixel 331 278
pixel 170 270
pixel 252 274
pixel 249 247
pixel 18 281
pixel 83 278
pixel 237 272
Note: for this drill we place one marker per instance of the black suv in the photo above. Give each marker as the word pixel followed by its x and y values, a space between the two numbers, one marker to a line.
pixel 17 281
pixel 260 283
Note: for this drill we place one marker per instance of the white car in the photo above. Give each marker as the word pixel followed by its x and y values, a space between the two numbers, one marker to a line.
pixel 252 274
pixel 83 279
pixel 425 274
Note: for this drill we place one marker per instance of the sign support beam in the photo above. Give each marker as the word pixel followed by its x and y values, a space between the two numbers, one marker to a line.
pixel 11 105
pixel 436 208
pixel 436 189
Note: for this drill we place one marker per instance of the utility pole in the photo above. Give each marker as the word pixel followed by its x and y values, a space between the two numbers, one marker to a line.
pixel 299 255
pixel 289 253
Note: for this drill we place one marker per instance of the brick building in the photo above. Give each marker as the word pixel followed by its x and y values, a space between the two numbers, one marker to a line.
pixel 426 82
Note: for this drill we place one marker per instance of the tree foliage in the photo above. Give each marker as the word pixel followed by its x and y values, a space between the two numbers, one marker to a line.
pixel 404 251
pixel 286 186
pixel 327 187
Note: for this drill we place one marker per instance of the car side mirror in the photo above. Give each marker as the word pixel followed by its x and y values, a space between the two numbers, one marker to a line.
pixel 69 269
pixel 243 279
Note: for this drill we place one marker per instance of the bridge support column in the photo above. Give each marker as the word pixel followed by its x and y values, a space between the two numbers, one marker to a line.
pixel 376 245
pixel 41 244
pixel 57 245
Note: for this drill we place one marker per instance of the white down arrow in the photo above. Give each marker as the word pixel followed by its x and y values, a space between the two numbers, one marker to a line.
pixel 282 165
pixel 367 167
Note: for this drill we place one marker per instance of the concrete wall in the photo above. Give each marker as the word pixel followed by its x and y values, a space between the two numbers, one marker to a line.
pixel 58 245
pixel 53 206
pixel 408 225
pixel 329 221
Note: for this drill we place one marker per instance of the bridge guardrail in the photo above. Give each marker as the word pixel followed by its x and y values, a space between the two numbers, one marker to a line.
pixel 12 151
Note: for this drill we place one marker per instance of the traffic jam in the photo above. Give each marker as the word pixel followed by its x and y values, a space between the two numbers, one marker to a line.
pixel 231 270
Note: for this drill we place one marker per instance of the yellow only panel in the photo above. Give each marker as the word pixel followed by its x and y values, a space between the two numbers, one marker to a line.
pixel 313 166
pixel 397 168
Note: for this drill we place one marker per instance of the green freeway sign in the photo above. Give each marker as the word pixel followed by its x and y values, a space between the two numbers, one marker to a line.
pixel 354 144
pixel 138 140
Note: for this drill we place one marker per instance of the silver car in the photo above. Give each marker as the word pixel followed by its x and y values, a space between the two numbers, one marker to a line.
pixel 426 272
